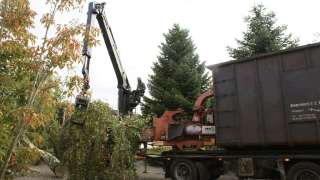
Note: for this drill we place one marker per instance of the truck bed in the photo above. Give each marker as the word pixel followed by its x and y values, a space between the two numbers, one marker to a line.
pixel 269 100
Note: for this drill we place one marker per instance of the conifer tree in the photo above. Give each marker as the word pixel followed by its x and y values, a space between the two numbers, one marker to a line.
pixel 178 75
pixel 263 35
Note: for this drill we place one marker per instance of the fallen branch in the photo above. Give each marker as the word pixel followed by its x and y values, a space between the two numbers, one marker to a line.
pixel 50 160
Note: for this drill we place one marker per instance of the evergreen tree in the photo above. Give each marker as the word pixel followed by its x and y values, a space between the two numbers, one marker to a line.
pixel 178 75
pixel 262 35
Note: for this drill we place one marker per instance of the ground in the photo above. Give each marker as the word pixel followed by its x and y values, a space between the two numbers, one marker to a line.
pixel 153 173
pixel 44 173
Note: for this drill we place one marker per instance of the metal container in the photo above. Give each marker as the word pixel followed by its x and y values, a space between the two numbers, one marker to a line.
pixel 269 100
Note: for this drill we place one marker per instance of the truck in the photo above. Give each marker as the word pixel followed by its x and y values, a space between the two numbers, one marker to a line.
pixel 264 122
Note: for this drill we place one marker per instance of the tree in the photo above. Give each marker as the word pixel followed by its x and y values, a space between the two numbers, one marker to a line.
pixel 262 35
pixel 178 75
pixel 28 68
pixel 103 147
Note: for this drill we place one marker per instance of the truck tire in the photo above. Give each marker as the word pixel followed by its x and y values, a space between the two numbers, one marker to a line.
pixel 304 171
pixel 183 169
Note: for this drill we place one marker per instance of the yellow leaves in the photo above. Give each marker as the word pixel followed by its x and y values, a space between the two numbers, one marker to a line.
pixel 30 66
pixel 35 120
pixel 64 49
pixel 73 84
pixel 16 19
pixel 66 5
pixel 49 86
pixel 91 37
pixel 36 138
pixel 32 94
pixel 26 155
pixel 31 117
pixel 11 49
pixel 47 19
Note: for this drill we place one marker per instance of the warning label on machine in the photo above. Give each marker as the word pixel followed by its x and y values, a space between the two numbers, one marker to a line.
pixel 305 110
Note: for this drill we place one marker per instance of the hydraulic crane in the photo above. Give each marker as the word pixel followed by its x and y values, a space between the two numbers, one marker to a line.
pixel 127 99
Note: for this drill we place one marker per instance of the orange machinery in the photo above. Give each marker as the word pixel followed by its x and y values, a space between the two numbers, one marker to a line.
pixel 181 129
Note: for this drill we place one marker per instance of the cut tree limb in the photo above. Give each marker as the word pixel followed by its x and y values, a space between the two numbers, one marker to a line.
pixel 50 160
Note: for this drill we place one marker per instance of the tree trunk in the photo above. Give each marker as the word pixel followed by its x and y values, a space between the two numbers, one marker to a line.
pixel 11 149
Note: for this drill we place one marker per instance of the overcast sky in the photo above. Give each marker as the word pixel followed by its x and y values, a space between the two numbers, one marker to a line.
pixel 138 27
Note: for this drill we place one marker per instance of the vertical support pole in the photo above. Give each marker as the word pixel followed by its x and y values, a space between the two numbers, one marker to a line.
pixel 146 158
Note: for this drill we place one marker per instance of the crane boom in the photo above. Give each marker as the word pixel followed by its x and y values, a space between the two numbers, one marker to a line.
pixel 111 46
pixel 127 99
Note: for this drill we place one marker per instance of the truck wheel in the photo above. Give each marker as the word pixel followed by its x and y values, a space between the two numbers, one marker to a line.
pixel 304 171
pixel 183 170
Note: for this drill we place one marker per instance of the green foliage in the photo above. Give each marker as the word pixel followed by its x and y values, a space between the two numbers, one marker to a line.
pixel 178 75
pixel 103 147
pixel 126 137
pixel 157 150
pixel 4 139
pixel 24 157
pixel 262 35
pixel 82 147
pixel 14 76
pixel 28 63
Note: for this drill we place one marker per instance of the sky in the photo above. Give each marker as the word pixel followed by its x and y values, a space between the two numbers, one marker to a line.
pixel 138 27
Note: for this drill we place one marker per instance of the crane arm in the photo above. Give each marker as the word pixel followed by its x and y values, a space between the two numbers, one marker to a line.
pixel 109 40
pixel 127 99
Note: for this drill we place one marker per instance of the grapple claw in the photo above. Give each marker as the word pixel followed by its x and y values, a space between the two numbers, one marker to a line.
pixel 82 101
